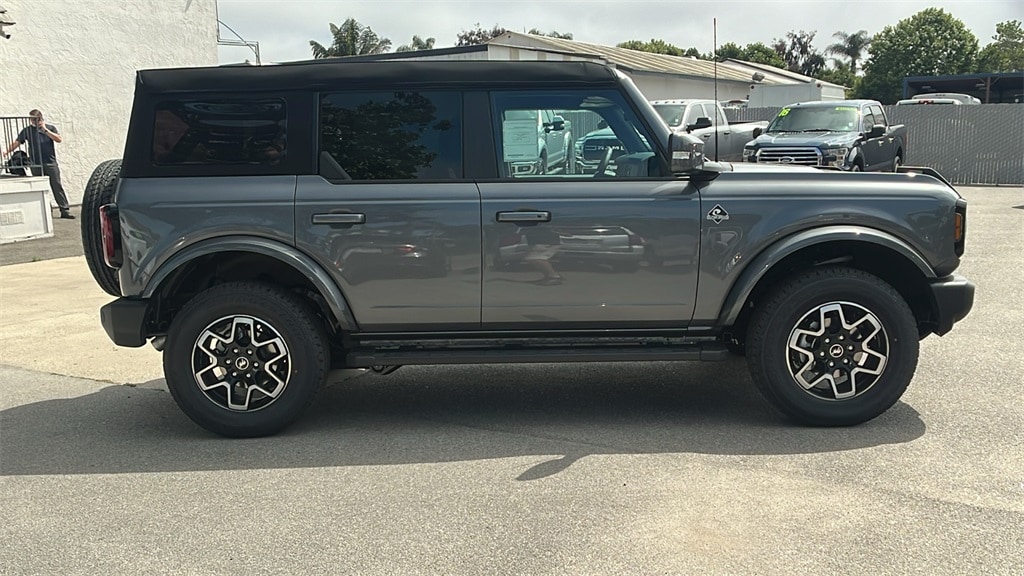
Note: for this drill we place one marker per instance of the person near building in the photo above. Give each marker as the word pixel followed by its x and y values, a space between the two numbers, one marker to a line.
pixel 41 139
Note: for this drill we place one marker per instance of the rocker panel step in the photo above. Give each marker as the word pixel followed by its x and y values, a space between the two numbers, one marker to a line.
pixel 368 357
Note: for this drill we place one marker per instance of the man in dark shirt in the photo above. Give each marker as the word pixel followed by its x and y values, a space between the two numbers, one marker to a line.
pixel 41 138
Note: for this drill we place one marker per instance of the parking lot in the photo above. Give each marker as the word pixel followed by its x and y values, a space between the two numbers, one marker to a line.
pixel 655 468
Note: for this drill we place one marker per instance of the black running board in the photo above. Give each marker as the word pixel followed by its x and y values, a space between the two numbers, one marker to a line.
pixel 369 357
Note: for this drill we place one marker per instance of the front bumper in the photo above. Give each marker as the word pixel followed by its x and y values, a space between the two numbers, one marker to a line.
pixel 124 320
pixel 953 298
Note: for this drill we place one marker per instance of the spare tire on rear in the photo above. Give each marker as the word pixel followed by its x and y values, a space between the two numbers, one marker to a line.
pixel 99 191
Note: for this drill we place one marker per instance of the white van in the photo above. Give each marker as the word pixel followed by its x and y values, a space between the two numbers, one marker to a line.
pixel 940 98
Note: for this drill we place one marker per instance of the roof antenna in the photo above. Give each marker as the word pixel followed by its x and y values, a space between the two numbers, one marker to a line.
pixel 714 26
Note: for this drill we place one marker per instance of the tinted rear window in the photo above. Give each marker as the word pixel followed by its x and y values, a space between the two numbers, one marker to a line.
pixel 218 132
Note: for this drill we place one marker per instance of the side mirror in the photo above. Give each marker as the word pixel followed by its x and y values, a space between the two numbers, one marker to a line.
pixel 558 123
pixel 758 131
pixel 687 153
pixel 701 123
pixel 876 131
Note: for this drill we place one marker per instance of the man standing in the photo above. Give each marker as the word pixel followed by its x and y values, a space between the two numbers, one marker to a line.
pixel 41 138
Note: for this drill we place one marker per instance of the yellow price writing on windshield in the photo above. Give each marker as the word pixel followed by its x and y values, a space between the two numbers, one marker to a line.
pixel 784 112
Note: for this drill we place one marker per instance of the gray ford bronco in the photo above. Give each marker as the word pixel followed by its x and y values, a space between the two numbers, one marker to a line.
pixel 269 224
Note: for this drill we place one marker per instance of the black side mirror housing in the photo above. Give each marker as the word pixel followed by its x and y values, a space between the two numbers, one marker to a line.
pixel 702 122
pixel 558 123
pixel 876 131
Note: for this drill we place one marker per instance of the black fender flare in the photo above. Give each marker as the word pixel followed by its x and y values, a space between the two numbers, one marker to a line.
pixel 775 253
pixel 288 255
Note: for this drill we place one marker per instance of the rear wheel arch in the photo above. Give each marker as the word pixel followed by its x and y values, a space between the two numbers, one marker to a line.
pixel 875 252
pixel 225 260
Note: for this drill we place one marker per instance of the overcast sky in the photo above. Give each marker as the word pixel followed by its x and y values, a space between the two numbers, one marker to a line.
pixel 284 27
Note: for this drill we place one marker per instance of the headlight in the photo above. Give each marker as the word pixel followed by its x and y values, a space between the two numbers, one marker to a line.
pixel 748 154
pixel 835 156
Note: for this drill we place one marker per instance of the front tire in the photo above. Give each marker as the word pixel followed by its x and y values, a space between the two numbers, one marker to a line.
pixel 833 347
pixel 245 359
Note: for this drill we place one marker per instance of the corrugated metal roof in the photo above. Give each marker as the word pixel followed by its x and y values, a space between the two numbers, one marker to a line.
pixel 633 60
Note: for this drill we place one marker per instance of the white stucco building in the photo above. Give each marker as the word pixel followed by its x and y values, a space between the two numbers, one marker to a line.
pixel 76 60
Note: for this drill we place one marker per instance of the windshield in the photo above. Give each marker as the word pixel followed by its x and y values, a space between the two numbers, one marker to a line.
pixel 672 114
pixel 817 119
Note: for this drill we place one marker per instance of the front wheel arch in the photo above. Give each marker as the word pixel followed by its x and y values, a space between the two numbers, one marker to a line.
pixel 883 256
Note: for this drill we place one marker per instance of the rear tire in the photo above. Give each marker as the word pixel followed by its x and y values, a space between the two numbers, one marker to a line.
pixel 99 191
pixel 834 346
pixel 245 359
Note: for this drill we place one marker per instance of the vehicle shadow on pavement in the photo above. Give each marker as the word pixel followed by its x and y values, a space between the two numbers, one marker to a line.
pixel 441 414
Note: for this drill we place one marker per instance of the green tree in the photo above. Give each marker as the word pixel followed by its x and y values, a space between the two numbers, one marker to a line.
pixel 840 73
pixel 798 52
pixel 478 35
pixel 656 45
pixel 552 34
pixel 929 43
pixel 760 53
pixel 731 50
pixel 350 39
pixel 850 45
pixel 1006 52
pixel 416 44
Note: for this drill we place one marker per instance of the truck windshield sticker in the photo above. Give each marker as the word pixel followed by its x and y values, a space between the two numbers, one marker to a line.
pixel 783 112
pixel 850 108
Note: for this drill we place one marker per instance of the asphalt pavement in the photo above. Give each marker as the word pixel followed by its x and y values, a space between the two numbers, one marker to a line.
pixel 638 468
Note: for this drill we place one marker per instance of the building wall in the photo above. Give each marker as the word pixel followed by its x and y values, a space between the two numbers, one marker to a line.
pixel 76 61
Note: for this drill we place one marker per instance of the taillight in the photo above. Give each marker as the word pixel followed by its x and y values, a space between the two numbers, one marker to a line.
pixel 110 229
pixel 960 227
pixel 636 240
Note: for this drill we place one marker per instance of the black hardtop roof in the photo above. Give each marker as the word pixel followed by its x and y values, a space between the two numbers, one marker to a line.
pixel 336 72
pixel 830 103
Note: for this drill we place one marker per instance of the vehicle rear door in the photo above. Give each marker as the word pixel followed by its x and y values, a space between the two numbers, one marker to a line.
pixel 616 248
pixel 391 215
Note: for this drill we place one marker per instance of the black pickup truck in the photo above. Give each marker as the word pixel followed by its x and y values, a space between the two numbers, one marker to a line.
pixel 852 135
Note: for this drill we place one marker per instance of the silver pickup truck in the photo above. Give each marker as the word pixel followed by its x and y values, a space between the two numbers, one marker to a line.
pixel 704 118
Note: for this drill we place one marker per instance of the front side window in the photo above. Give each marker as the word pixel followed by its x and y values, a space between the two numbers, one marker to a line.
pixel 393 135
pixel 219 132
pixel 588 134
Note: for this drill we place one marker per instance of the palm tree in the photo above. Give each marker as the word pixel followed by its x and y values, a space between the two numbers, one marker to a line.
pixel 851 46
pixel 416 44
pixel 351 39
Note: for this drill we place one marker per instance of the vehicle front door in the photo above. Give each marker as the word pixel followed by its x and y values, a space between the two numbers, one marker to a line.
pixel 888 147
pixel 391 216
pixel 613 248
pixel 872 148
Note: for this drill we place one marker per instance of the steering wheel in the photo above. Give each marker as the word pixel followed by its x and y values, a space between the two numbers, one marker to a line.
pixel 604 163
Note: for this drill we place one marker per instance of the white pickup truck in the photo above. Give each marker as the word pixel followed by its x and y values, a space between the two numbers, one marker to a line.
pixel 704 118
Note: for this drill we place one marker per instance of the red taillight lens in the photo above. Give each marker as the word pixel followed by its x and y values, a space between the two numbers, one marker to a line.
pixel 110 235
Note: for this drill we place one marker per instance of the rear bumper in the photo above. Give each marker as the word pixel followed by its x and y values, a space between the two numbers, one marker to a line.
pixel 953 296
pixel 124 320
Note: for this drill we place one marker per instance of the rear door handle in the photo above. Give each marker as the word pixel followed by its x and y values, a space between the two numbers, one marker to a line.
pixel 339 218
pixel 525 216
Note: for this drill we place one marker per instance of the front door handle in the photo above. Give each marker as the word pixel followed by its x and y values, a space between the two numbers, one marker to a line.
pixel 524 216
pixel 339 218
